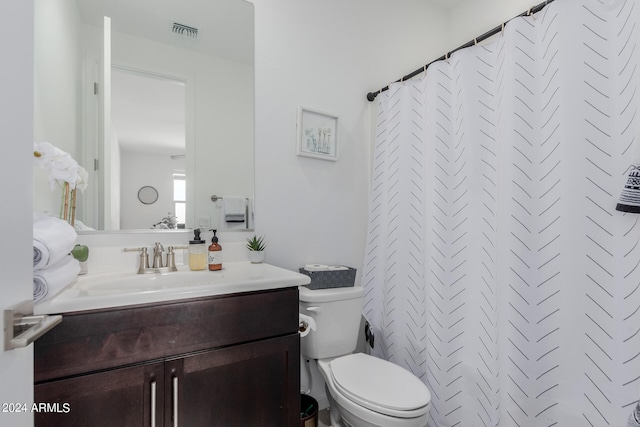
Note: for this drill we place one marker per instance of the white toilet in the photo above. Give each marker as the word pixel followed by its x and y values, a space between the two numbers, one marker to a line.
pixel 363 390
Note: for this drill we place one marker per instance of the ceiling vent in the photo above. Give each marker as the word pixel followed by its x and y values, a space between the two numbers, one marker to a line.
pixel 184 31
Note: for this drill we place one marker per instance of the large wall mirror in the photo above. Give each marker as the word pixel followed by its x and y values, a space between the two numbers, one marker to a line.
pixel 158 94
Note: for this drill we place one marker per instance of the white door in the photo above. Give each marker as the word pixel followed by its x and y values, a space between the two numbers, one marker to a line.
pixel 16 171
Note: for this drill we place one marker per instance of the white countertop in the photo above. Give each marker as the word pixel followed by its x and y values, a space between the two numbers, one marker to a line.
pixel 118 289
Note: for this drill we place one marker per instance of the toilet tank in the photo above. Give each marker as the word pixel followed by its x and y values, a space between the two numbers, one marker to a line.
pixel 337 313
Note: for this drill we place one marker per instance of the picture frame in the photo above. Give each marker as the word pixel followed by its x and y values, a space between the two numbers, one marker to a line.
pixel 317 134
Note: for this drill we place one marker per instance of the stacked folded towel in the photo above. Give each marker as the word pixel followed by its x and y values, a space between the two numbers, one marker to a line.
pixel 53 267
pixel 51 280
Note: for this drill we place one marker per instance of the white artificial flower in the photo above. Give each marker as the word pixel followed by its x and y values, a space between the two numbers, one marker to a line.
pixel 60 166
pixel 83 179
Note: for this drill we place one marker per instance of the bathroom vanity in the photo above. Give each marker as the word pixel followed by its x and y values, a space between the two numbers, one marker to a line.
pixel 227 359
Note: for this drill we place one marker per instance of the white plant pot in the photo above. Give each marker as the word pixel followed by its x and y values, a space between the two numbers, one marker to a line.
pixel 256 257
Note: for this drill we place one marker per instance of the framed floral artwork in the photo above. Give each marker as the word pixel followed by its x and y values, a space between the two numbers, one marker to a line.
pixel 317 135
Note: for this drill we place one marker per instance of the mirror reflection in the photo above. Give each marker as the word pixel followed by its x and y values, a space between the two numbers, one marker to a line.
pixel 162 98
pixel 148 124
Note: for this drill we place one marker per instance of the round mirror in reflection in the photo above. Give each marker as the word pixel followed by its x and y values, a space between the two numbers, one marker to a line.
pixel 148 195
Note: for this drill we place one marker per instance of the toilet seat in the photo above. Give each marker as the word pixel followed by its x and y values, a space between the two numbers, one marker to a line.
pixel 379 385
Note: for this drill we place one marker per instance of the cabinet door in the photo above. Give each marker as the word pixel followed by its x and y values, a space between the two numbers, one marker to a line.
pixel 255 384
pixel 131 396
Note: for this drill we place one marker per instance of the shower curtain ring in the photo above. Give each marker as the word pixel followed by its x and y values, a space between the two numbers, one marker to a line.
pixel 529 12
pixel 502 29
pixel 475 42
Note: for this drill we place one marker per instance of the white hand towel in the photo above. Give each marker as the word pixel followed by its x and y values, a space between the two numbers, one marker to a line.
pixel 53 239
pixel 235 209
pixel 49 281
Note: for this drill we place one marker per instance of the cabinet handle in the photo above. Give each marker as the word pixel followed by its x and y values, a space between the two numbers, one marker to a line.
pixel 175 401
pixel 153 404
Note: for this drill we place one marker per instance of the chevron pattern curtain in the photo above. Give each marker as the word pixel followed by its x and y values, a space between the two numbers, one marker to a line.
pixel 497 269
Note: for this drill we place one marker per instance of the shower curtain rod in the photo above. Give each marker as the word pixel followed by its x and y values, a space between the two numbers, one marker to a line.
pixel 535 9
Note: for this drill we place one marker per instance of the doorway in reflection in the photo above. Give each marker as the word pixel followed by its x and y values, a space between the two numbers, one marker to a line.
pixel 148 113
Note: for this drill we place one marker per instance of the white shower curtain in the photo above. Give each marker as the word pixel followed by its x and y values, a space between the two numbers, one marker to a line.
pixel 497 269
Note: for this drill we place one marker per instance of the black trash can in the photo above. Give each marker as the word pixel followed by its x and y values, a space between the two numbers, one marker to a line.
pixel 308 411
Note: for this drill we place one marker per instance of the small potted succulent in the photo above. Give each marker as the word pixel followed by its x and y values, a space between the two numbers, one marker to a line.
pixel 256 248
pixel 81 253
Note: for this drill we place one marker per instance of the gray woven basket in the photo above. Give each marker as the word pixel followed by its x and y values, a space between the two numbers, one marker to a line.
pixel 331 278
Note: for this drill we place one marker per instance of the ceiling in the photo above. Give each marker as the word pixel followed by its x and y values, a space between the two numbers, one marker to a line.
pixel 222 24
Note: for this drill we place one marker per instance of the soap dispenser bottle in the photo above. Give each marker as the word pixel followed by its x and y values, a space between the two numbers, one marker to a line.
pixel 215 253
pixel 197 252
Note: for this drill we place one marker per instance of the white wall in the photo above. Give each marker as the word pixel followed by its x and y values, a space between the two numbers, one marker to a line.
pixel 472 18
pixel 16 254
pixel 326 55
pixel 138 170
pixel 115 179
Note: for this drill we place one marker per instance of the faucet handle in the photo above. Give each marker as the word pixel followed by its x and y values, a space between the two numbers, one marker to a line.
pixel 171 259
pixel 144 258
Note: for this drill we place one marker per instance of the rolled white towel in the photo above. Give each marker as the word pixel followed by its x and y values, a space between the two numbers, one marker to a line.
pixel 53 239
pixel 47 282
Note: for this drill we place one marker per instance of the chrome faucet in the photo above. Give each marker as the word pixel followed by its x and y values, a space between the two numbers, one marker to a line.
pixel 157 266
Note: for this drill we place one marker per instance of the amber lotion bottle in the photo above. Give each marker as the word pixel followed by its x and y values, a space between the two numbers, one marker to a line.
pixel 215 253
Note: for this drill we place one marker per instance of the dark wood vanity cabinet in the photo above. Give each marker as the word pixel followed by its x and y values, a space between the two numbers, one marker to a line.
pixel 220 361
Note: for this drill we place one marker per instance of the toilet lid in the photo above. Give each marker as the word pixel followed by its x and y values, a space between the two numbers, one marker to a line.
pixel 377 384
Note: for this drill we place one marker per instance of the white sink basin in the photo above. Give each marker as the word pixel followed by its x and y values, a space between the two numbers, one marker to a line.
pixel 128 288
